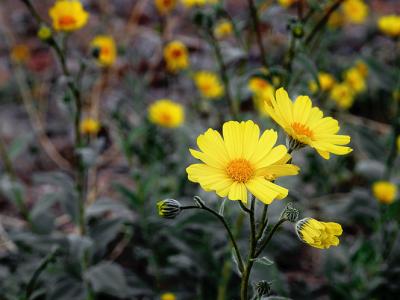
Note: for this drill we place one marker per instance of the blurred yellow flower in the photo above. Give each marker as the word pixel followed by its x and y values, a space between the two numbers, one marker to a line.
pixel 223 29
pixel 343 95
pixel 335 20
pixel 20 53
pixel 355 80
pixel 165 6
pixel 176 56
pixel 241 161
pixel 390 25
pixel 68 15
pixel 208 84
pixel 191 3
pixel 398 143
pixel 384 191
pixel 103 48
pixel 355 11
pixel 89 126
pixel 318 234
pixel 262 92
pixel 166 113
pixel 326 82
pixel 362 68
pixel 305 125
pixel 168 296
pixel 286 3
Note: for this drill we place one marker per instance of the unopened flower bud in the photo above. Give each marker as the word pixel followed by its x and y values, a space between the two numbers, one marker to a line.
pixel 44 33
pixel 290 213
pixel 168 208
pixel 263 288
pixel 297 30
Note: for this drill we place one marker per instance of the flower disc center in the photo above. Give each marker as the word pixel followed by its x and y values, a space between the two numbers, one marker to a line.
pixel 67 20
pixel 301 129
pixel 240 170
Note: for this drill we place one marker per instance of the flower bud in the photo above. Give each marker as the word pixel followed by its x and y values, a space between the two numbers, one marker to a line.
pixel 290 213
pixel 168 208
pixel 263 288
pixel 44 33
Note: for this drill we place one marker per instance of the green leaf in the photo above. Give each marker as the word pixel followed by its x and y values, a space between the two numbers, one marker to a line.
pixel 263 260
pixel 222 207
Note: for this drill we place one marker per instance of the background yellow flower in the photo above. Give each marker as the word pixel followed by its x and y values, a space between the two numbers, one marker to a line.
pixel 104 49
pixel 208 84
pixel 355 11
pixel 68 15
pixel 384 191
pixel 89 126
pixel 390 25
pixel 176 56
pixel 166 113
pixel 165 6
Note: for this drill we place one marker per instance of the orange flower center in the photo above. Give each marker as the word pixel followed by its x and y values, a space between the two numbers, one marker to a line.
pixel 261 84
pixel 66 20
pixel 176 53
pixel 240 170
pixel 301 129
pixel 166 118
pixel 167 2
pixel 105 50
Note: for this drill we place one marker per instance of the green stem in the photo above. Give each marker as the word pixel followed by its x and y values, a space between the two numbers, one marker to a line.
pixel 269 237
pixel 256 25
pixel 263 223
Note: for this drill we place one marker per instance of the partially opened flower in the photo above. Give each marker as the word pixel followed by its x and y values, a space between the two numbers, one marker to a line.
pixel 208 84
pixel 68 15
pixel 318 234
pixel 176 56
pixel 166 113
pixel 390 25
pixel 384 191
pixel 241 161
pixel 103 48
pixel 306 125
pixel 165 6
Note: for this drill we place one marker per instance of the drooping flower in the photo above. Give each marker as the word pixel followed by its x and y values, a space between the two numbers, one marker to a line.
pixel 168 208
pixel 355 11
pixel 176 56
pixel 89 126
pixel 223 29
pixel 384 191
pixel 103 48
pixel 208 84
pixel 306 125
pixel 326 82
pixel 355 80
pixel 68 15
pixel 390 25
pixel 318 234
pixel 240 161
pixel 166 113
pixel 165 6
pixel 343 95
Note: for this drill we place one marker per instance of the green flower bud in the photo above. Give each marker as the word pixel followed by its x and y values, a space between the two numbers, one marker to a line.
pixel 44 33
pixel 168 208
pixel 290 213
pixel 263 288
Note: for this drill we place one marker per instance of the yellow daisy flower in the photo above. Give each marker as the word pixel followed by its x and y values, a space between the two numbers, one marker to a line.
pixel 89 126
pixel 166 113
pixel 176 56
pixel 384 191
pixel 343 95
pixel 165 6
pixel 326 82
pixel 318 234
pixel 241 161
pixel 390 25
pixel 223 29
pixel 68 15
pixel 355 80
pixel 305 125
pixel 104 49
pixel 208 84
pixel 355 11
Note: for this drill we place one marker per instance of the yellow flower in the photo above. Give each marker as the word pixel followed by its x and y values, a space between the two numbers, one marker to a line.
pixel 176 56
pixel 318 234
pixel 223 29
pixel 241 161
pixel 168 296
pixel 89 126
pixel 326 82
pixel 208 84
pixel 305 125
pixel 355 11
pixel 103 47
pixel 68 15
pixel 20 53
pixel 165 6
pixel 384 191
pixel 166 113
pixel 390 25
pixel 362 68
pixel 335 20
pixel 355 80
pixel 191 3
pixel 286 3
pixel 343 95
pixel 262 92
pixel 398 143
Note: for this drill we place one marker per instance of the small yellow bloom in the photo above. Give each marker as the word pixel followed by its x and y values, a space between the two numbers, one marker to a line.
pixel 44 33
pixel 103 46
pixel 68 15
pixel 384 191
pixel 355 11
pixel 176 56
pixel 191 3
pixel 326 82
pixel 390 25
pixel 89 126
pixel 166 113
pixel 165 6
pixel 355 80
pixel 20 53
pixel 343 95
pixel 318 234
pixel 286 3
pixel 362 68
pixel 306 125
pixel 208 84
pixel 168 296
pixel 262 92
pixel 223 29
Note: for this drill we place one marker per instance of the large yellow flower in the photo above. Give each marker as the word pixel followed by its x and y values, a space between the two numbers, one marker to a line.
pixel 241 161
pixel 390 25
pixel 355 11
pixel 166 113
pixel 165 6
pixel 176 56
pixel 208 84
pixel 104 48
pixel 68 15
pixel 318 234
pixel 384 191
pixel 305 125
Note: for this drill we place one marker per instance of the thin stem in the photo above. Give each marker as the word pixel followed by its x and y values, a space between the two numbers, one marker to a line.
pixel 269 237
pixel 263 222
pixel 244 207
pixel 256 25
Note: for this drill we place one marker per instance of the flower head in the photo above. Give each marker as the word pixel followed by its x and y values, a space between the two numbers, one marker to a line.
pixel 398 143
pixel 286 3
pixel 89 126
pixel 166 113
pixel 335 20
pixel 306 125
pixel 384 191
pixel 20 53
pixel 240 161
pixel 362 68
pixel 343 95
pixel 318 234
pixel 44 33
pixel 355 80
pixel 208 84
pixel 103 48
pixel 168 209
pixel 223 29
pixel 355 11
pixel 68 15
pixel 262 91
pixel 390 25
pixel 176 56
pixel 165 6
pixel 326 82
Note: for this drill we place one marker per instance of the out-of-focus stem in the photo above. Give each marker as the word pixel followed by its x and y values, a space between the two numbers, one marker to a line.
pixel 256 25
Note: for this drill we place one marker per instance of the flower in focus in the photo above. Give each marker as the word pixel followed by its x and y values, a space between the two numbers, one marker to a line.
pixel 89 126
pixel 44 33
pixel 355 11
pixel 343 95
pixel 176 56
pixel 286 3
pixel 166 113
pixel 262 91
pixel 240 161
pixel 168 209
pixel 390 25
pixel 103 48
pixel 20 53
pixel 68 15
pixel 326 82
pixel 305 125
pixel 384 191
pixel 318 234
pixel 165 6
pixel 355 80
pixel 208 84
pixel 223 29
